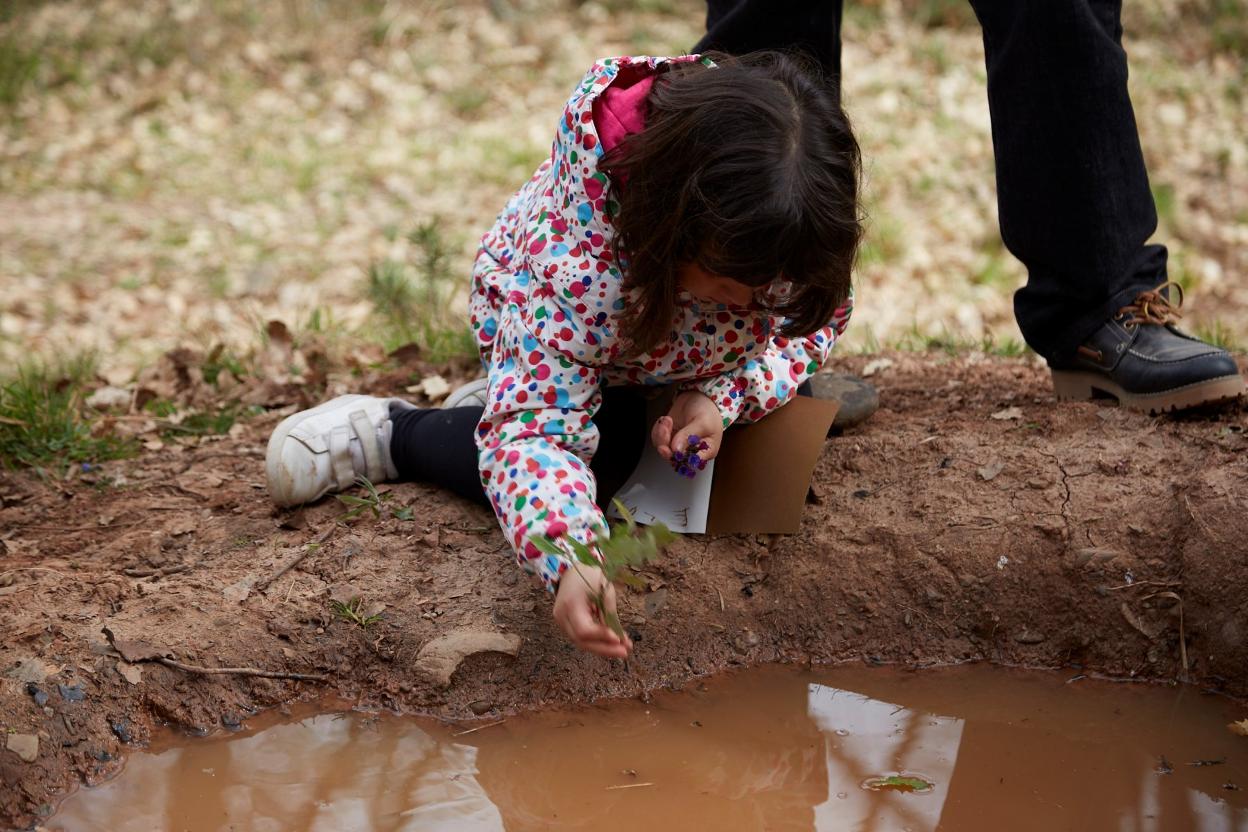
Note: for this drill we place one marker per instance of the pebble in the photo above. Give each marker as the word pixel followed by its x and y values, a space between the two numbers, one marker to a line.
pixel 857 399
pixel 121 728
pixel 480 707
pixel 1029 637
pixel 71 693
pixel 25 746
pixel 40 696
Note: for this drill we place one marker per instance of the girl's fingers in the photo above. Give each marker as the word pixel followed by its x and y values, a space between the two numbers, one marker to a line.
pixel 661 436
pixel 594 636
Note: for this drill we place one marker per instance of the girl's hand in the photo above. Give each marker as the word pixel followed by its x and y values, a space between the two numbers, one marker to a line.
pixel 692 414
pixel 577 614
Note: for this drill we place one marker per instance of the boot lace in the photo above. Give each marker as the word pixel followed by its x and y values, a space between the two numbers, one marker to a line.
pixel 1153 307
pixel 1150 307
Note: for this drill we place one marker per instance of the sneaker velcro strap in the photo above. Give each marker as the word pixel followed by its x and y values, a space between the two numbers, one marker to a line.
pixel 364 429
pixel 340 456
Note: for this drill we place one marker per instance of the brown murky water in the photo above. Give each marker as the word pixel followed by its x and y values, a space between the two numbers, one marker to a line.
pixel 766 749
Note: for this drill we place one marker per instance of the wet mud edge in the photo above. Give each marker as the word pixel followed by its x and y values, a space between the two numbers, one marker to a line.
pixel 971 519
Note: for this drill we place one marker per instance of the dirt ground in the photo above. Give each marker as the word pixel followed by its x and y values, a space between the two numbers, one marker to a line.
pixel 970 519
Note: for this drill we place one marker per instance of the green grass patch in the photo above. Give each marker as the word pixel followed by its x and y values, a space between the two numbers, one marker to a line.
pixel 1164 200
pixel 1220 335
pixel 883 242
pixel 353 612
pixel 44 423
pixel 18 67
pixel 953 344
pixel 410 299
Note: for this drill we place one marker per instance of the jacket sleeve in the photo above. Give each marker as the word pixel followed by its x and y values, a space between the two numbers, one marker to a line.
pixel 769 380
pixel 535 440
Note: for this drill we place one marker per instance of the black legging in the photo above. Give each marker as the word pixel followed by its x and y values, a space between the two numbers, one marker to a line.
pixel 439 446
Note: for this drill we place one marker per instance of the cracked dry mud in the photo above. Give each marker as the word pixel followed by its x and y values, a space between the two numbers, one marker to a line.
pixel 1100 537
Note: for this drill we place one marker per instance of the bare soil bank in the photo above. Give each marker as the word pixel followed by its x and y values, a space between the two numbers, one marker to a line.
pixel 970 519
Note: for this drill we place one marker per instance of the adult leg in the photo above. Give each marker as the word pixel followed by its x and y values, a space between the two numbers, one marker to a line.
pixel 812 26
pixel 1076 209
pixel 1072 190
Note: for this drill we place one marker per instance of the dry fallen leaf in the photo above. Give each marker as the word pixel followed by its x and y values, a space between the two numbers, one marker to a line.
pixel 876 366
pixel 435 387
pixel 134 650
pixel 1007 414
pixel 989 472
pixel 238 592
pixel 132 673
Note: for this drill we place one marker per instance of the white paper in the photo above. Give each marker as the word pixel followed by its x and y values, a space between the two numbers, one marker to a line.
pixel 657 494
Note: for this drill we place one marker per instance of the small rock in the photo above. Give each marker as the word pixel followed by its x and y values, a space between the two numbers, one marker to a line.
pixel 25 746
pixel 1029 637
pixel 747 639
pixel 857 399
pixel 40 696
pixel 231 722
pixel 440 658
pixel 1008 414
pixel 121 728
pixel 480 707
pixel 71 693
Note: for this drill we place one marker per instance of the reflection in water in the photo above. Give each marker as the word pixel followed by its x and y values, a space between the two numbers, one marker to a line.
pixel 766 749
pixel 865 738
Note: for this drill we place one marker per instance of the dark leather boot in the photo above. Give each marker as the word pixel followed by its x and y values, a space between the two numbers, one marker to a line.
pixel 1141 359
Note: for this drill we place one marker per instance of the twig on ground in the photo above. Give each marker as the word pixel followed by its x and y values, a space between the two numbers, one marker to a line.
pixel 156 573
pixel 628 786
pixel 95 527
pixel 32 569
pixel 308 548
pixel 1144 583
pixel 478 728
pixel 240 671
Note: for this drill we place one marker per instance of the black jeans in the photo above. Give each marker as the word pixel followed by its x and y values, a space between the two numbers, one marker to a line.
pixel 1072 190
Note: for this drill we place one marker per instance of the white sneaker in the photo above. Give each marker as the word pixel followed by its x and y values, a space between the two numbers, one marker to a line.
pixel 324 449
pixel 471 394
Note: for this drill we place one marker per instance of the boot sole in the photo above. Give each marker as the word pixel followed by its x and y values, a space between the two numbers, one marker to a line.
pixel 1072 385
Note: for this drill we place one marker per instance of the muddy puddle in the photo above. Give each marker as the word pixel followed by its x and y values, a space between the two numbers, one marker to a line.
pixel 966 749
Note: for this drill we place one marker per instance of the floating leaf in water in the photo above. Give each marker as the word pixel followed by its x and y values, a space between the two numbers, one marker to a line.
pixel 899 783
pixel 1240 727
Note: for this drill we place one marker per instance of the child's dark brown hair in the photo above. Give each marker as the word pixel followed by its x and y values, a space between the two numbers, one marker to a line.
pixel 750 170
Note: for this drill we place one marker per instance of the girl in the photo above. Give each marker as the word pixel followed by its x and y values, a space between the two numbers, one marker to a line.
pixel 695 226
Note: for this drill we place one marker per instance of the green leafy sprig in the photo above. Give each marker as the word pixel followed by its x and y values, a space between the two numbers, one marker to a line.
pixel 620 549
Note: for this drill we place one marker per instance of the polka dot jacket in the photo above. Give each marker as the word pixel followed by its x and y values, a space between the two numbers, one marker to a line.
pixel 545 292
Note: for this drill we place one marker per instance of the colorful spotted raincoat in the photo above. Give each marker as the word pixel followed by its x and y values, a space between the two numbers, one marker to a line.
pixel 545 292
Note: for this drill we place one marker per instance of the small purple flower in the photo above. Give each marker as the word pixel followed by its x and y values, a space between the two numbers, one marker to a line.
pixel 688 463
